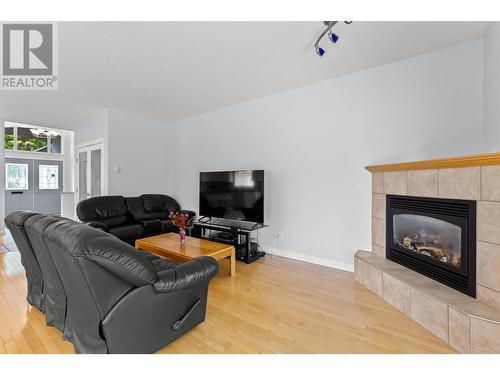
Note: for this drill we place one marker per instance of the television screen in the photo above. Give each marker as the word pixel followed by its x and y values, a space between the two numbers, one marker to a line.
pixel 237 195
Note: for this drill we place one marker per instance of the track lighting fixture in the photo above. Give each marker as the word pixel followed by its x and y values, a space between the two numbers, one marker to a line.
pixel 320 51
pixel 331 35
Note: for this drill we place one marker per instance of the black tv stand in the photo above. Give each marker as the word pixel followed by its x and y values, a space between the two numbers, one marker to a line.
pixel 236 233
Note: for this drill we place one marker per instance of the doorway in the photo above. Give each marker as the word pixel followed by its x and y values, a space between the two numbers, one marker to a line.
pixel 90 171
pixel 33 184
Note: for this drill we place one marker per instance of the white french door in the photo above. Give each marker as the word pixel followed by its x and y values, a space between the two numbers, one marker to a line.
pixel 89 171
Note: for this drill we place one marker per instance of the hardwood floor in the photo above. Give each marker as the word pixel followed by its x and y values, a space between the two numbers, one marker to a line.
pixel 275 305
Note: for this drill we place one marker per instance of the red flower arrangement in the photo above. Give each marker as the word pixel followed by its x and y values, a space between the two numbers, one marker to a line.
pixel 180 220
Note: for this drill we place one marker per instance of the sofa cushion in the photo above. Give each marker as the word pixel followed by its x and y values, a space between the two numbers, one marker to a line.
pixel 110 210
pixel 187 275
pixel 167 226
pixel 163 264
pixel 136 208
pixel 128 232
pixel 121 259
pixel 80 240
pixel 18 218
pixel 151 227
pixel 160 205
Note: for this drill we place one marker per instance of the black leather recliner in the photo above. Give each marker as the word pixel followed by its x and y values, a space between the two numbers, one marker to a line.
pixel 118 299
pixel 130 218
pixel 15 223
pixel 53 291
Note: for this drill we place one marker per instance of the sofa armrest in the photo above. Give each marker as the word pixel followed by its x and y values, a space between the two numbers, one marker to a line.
pixel 187 275
pixel 167 227
pixel 151 226
pixel 98 225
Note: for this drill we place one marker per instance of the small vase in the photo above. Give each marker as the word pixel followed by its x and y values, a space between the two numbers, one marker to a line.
pixel 182 236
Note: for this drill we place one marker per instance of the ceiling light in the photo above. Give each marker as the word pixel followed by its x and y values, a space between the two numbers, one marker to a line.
pixel 45 133
pixel 331 35
pixel 320 51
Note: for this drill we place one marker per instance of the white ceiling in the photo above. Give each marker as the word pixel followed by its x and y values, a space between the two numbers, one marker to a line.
pixel 171 70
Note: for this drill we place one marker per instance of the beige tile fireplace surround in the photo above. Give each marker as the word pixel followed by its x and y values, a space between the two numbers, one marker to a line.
pixel 469 325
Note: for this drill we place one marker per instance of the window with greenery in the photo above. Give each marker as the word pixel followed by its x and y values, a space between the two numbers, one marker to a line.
pixel 9 138
pixel 32 139
pixel 26 141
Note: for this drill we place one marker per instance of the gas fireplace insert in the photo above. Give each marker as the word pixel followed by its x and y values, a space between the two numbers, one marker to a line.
pixel 435 237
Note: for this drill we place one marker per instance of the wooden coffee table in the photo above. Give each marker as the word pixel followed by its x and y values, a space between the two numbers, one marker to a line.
pixel 168 246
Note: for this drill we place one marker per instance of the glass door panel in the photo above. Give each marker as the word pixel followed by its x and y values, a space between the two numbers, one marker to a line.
pixel 90 171
pixel 82 175
pixel 18 185
pixel 95 173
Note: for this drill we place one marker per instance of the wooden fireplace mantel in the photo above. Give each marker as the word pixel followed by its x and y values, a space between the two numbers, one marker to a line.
pixel 456 162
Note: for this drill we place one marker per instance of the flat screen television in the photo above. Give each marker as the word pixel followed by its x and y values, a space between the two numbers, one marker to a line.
pixel 235 195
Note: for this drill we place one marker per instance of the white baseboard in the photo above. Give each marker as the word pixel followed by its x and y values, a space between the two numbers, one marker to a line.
pixel 310 259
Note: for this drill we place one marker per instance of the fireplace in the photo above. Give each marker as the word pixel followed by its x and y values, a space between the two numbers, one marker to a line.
pixel 435 237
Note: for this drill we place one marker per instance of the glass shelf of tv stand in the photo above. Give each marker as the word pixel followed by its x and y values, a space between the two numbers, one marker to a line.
pixel 246 251
pixel 228 223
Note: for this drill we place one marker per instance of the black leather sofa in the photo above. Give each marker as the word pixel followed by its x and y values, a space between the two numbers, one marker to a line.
pixel 54 296
pixel 103 294
pixel 15 224
pixel 130 218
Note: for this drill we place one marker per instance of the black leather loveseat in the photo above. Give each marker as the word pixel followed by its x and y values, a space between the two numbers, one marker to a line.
pixel 103 294
pixel 130 218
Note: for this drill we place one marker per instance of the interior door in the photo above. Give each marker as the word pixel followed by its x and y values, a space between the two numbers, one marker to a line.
pixel 47 186
pixel 18 185
pixel 90 171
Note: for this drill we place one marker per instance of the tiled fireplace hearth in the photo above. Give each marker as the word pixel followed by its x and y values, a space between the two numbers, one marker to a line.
pixel 470 325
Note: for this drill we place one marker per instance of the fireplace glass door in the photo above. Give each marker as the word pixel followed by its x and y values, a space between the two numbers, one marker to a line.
pixel 435 237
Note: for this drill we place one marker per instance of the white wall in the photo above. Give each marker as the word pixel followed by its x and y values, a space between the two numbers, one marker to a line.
pixel 90 127
pixel 142 150
pixel 314 142
pixel 492 87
